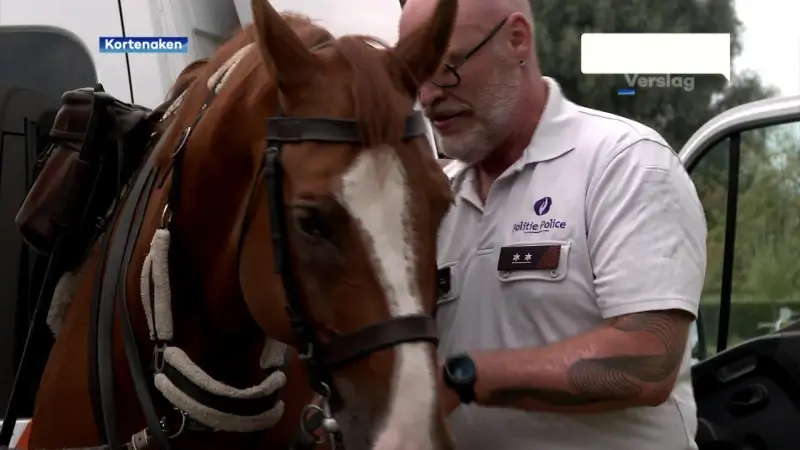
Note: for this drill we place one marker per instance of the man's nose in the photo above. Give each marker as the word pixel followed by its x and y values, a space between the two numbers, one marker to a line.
pixel 429 93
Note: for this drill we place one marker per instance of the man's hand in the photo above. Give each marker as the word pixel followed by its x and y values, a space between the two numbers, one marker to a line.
pixel 448 399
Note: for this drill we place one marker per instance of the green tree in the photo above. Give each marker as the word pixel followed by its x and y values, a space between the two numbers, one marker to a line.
pixel 767 265
pixel 674 113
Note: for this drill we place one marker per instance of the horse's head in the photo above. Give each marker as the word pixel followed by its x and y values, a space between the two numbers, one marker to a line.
pixel 310 178
pixel 360 221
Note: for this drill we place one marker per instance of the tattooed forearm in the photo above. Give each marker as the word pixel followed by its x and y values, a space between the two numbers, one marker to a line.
pixel 511 397
pixel 619 377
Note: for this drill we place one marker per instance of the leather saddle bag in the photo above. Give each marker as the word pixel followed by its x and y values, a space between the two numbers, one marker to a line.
pixel 97 144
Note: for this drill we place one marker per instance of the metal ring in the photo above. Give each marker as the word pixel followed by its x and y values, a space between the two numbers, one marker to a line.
pixel 184 139
pixel 166 217
pixel 303 415
pixel 184 419
pixel 327 394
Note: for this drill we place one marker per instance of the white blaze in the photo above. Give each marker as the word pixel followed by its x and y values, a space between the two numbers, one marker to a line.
pixel 376 194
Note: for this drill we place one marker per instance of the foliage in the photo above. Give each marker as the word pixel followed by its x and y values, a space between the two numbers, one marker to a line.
pixel 749 319
pixel 766 266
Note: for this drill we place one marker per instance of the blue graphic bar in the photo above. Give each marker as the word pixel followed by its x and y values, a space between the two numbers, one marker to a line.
pixel 626 91
pixel 151 44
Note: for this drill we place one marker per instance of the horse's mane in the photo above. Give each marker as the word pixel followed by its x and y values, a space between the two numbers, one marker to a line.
pixel 380 117
pixel 249 86
pixel 185 79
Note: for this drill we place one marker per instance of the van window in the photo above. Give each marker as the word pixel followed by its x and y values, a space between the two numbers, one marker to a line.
pixel 37 65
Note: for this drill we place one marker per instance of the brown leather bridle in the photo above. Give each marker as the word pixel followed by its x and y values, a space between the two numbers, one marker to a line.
pixel 321 358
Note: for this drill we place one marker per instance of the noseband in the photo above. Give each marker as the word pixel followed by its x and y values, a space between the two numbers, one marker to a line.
pixel 321 359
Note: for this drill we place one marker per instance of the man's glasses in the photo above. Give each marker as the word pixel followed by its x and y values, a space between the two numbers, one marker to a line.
pixel 448 77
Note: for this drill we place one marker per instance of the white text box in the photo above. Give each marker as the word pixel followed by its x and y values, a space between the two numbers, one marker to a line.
pixel 656 53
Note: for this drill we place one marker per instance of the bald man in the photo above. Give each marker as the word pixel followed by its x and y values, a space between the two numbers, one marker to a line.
pixel 571 263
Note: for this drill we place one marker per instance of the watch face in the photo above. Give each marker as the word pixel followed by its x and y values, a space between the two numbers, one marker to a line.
pixel 461 369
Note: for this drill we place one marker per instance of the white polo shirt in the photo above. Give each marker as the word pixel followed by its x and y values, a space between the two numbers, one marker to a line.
pixel 597 219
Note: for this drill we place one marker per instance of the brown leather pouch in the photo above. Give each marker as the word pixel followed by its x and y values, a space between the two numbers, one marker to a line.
pixel 97 142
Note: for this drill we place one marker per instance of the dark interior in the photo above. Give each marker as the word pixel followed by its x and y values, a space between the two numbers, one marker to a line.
pixel 37 64
pixel 748 397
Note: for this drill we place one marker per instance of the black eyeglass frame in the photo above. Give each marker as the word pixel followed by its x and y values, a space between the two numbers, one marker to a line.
pixel 454 68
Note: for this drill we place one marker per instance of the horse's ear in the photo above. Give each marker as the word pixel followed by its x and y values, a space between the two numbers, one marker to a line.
pixel 422 49
pixel 280 46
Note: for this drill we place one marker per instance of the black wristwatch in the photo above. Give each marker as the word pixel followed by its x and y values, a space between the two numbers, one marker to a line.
pixel 460 376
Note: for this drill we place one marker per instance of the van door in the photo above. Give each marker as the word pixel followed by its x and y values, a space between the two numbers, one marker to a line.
pixel 745 164
pixel 37 64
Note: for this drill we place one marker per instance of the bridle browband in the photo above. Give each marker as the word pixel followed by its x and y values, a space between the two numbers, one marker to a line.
pixel 321 359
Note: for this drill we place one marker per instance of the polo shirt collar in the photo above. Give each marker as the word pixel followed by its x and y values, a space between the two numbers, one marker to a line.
pixel 555 134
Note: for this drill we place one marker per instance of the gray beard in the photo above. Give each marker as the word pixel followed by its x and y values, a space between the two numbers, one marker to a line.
pixel 469 147
pixel 498 100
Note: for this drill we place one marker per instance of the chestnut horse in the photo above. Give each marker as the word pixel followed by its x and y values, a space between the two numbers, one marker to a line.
pixel 294 199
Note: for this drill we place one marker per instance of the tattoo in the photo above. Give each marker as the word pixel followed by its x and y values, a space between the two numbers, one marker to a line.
pixel 613 378
pixel 510 397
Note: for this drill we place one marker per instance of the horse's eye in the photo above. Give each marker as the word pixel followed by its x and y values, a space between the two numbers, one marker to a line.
pixel 313 223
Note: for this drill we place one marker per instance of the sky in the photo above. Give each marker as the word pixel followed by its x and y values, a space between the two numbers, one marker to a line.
pixel 771 36
pixel 771 42
pixel 377 18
